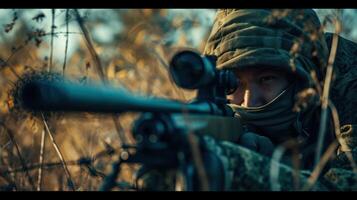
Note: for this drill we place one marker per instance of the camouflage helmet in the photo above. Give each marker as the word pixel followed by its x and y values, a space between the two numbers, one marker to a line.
pixel 291 40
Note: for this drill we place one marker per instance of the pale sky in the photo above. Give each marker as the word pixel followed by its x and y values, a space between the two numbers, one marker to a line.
pixel 105 32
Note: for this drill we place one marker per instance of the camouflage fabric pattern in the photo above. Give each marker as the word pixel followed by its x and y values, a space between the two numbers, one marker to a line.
pixel 342 174
pixel 341 179
pixel 287 39
pixel 344 83
pixel 247 170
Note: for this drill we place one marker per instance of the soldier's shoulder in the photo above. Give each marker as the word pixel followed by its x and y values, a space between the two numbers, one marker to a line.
pixel 346 59
pixel 344 79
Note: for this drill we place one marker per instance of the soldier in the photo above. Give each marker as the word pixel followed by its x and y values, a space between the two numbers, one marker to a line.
pixel 274 53
pixel 278 54
pixel 280 59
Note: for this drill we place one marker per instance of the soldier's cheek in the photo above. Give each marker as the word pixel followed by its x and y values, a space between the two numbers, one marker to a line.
pixel 237 97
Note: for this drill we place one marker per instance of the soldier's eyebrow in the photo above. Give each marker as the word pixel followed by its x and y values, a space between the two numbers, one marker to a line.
pixel 267 69
pixel 257 70
pixel 271 70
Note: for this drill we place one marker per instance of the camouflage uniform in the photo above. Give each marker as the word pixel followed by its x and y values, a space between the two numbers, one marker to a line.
pixel 291 40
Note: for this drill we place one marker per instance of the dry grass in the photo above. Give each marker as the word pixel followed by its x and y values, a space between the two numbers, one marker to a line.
pixel 75 151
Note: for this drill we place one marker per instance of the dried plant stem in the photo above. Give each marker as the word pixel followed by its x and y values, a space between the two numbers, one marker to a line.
pixel 100 71
pixel 325 96
pixel 10 57
pixel 352 161
pixel 61 32
pixel 66 47
pixel 274 168
pixel 317 170
pixel 23 163
pixel 336 121
pixel 39 180
pixel 52 36
pixel 56 164
pixel 90 47
pixel 110 180
pixel 68 175
pixel 329 152
pixel 196 155
pixel 335 118
pixel 198 162
pixel 274 165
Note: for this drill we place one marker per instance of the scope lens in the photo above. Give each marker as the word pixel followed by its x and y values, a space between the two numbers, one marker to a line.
pixel 190 70
pixel 186 67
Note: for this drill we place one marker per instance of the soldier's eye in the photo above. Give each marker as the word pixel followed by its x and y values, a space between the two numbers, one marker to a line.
pixel 267 79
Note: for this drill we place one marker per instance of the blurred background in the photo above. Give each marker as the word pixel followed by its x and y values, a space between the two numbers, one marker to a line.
pixel 131 48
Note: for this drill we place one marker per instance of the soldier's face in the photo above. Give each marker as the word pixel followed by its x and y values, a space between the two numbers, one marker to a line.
pixel 258 86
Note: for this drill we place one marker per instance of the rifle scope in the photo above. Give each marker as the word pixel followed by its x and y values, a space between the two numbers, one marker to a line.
pixel 190 70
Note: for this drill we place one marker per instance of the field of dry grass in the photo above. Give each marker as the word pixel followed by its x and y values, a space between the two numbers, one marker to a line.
pixel 135 58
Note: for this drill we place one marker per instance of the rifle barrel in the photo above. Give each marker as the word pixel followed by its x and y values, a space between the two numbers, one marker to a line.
pixel 44 95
